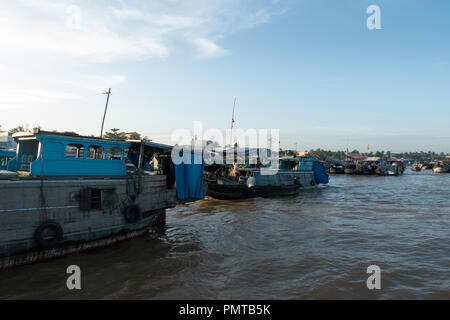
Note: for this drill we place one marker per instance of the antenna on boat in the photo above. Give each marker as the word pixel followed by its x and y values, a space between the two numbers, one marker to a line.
pixel 106 108
pixel 232 124
pixel 347 144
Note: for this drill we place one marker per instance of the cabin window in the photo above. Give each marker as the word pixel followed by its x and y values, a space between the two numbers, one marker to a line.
pixel 96 199
pixel 95 152
pixel 114 153
pixel 75 151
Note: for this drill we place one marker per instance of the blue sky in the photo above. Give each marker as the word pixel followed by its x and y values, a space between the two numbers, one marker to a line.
pixel 309 68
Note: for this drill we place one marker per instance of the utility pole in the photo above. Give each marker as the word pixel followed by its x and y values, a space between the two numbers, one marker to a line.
pixel 106 108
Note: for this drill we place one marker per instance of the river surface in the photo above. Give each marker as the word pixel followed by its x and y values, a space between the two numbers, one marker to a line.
pixel 316 245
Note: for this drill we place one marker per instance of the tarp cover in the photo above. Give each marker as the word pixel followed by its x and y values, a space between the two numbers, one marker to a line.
pixel 320 174
pixel 189 179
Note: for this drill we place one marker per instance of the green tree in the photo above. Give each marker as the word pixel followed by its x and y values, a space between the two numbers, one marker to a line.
pixel 115 134
pixel 134 136
pixel 16 129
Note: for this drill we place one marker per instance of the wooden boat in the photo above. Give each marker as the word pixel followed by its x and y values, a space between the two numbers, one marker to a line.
pixel 353 168
pixel 391 168
pixel 441 167
pixel 287 180
pixel 426 166
pixel 68 193
pixel 241 191
pixel 335 169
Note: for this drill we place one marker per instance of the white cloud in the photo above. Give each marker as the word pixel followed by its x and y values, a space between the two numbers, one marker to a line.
pixel 208 49
pixel 58 53
pixel 106 31
pixel 93 40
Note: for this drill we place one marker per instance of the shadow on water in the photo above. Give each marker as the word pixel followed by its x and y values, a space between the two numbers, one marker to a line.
pixel 316 245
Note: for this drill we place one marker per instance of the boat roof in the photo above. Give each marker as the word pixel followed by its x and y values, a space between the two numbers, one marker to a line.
pixel 75 136
pixel 70 135
pixel 152 144
pixel 7 153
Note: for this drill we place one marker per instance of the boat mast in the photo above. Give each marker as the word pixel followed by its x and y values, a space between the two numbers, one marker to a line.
pixel 232 124
pixel 106 108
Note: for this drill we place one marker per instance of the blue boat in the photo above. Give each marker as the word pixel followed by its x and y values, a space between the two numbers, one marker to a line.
pixel 64 193
pixel 5 157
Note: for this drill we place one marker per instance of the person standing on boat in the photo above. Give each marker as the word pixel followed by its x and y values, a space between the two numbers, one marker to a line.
pixel 251 181
pixel 236 170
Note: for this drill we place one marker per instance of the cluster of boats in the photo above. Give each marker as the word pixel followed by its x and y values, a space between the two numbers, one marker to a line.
pixel 368 167
pixel 437 167
pixel 62 193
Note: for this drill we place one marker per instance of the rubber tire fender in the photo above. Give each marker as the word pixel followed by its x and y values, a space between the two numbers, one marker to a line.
pixel 52 242
pixel 132 213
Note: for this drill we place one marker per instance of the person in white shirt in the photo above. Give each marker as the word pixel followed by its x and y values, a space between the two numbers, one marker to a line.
pixel 251 181
pixel 236 171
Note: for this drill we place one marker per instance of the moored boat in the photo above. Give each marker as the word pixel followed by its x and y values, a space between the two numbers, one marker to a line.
pixel 242 191
pixel 391 168
pixel 336 169
pixel 294 174
pixel 353 167
pixel 66 193
pixel 442 167
pixel 5 157
pixel 426 166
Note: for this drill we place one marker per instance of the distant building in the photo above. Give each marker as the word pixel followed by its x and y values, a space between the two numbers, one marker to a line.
pixel 6 141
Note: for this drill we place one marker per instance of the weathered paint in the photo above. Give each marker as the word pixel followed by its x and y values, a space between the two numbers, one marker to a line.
pixel 25 204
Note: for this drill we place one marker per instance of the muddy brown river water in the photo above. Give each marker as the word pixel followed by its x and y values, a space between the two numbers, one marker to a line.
pixel 316 245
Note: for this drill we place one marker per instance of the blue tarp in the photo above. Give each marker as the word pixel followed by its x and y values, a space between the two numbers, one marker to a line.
pixel 320 173
pixel 189 179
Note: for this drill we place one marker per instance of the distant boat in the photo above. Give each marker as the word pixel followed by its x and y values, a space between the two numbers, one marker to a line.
pixel 441 167
pixel 352 167
pixel 337 169
pixel 427 166
pixel 391 168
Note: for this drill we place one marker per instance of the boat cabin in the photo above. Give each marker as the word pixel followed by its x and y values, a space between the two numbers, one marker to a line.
pixel 5 157
pixel 297 163
pixel 44 153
